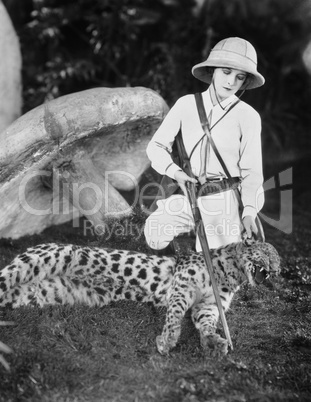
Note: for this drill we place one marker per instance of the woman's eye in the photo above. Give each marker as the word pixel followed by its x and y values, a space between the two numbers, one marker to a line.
pixel 241 77
pixel 225 71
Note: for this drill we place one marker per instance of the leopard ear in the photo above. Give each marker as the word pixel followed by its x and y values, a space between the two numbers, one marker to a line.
pixel 239 247
pixel 244 236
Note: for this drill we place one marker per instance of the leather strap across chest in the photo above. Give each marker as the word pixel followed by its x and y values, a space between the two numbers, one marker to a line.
pixel 204 124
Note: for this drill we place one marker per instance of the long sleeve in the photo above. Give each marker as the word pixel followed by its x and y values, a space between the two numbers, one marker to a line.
pixel 251 163
pixel 160 147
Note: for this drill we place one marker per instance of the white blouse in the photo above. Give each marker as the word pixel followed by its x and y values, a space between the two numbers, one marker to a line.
pixel 237 137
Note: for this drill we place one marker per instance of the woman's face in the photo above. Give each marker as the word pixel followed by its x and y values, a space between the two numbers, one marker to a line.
pixel 228 81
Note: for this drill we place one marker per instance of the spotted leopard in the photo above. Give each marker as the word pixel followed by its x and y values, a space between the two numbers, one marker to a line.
pixel 68 274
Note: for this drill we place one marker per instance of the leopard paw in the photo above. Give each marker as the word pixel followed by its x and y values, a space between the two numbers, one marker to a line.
pixel 162 345
pixel 214 345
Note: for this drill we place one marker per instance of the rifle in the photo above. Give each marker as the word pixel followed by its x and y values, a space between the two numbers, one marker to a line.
pixel 191 193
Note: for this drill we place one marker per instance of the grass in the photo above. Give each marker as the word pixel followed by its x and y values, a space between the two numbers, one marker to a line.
pixel 67 354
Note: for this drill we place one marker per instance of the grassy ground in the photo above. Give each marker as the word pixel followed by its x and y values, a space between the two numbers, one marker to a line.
pixel 109 354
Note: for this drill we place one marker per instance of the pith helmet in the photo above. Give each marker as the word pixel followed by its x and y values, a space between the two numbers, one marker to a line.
pixel 233 53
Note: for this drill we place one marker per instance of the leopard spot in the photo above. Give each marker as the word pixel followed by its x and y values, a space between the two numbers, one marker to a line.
pixel 130 261
pixel 221 265
pixel 191 272
pixel 115 257
pixel 142 274
pixel 58 299
pixel 119 291
pixel 156 270
pixel 115 268
pixel 76 282
pixel 47 259
pixel 128 295
pixel 45 253
pixel 139 298
pixel 67 259
pixel 25 258
pixel 45 246
pixel 134 282
pixel 128 271
pixel 154 287
pixel 100 291
pixel 83 260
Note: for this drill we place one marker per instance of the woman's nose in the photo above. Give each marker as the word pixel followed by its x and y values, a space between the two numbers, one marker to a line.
pixel 231 80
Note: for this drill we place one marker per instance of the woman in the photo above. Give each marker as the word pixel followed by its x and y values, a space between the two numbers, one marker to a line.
pixel 236 130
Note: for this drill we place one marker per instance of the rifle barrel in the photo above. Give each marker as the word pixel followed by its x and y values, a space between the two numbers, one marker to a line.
pixel 207 257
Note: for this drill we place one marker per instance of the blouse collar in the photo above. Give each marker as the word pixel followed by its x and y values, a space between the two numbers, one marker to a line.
pixel 225 104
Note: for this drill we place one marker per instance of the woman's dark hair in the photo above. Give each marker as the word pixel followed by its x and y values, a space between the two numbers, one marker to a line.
pixel 210 70
pixel 248 80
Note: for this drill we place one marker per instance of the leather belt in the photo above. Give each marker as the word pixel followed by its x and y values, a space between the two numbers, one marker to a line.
pixel 215 186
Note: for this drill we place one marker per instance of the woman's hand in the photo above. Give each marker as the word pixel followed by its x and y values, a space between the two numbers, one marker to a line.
pixel 250 226
pixel 182 178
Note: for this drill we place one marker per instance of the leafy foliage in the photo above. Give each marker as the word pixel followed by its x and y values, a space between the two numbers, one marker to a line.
pixel 78 44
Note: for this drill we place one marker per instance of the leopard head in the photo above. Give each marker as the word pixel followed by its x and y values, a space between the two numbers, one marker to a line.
pixel 259 260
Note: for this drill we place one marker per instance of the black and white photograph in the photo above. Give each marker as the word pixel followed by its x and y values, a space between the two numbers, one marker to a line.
pixel 155 208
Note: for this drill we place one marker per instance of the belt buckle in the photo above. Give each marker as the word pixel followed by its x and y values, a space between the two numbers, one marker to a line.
pixel 216 179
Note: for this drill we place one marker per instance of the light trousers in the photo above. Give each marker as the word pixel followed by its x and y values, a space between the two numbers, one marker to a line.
pixel 173 216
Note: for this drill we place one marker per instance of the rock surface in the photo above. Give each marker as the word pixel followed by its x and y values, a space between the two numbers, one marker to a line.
pixel 71 156
pixel 10 71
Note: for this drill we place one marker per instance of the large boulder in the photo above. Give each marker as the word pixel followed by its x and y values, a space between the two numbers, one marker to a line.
pixel 71 156
pixel 10 71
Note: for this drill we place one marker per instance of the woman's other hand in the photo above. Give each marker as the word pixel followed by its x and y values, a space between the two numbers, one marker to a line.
pixel 250 226
pixel 182 178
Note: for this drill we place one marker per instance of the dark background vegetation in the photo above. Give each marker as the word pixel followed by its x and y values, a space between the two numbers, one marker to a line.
pixel 108 354
pixel 71 45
